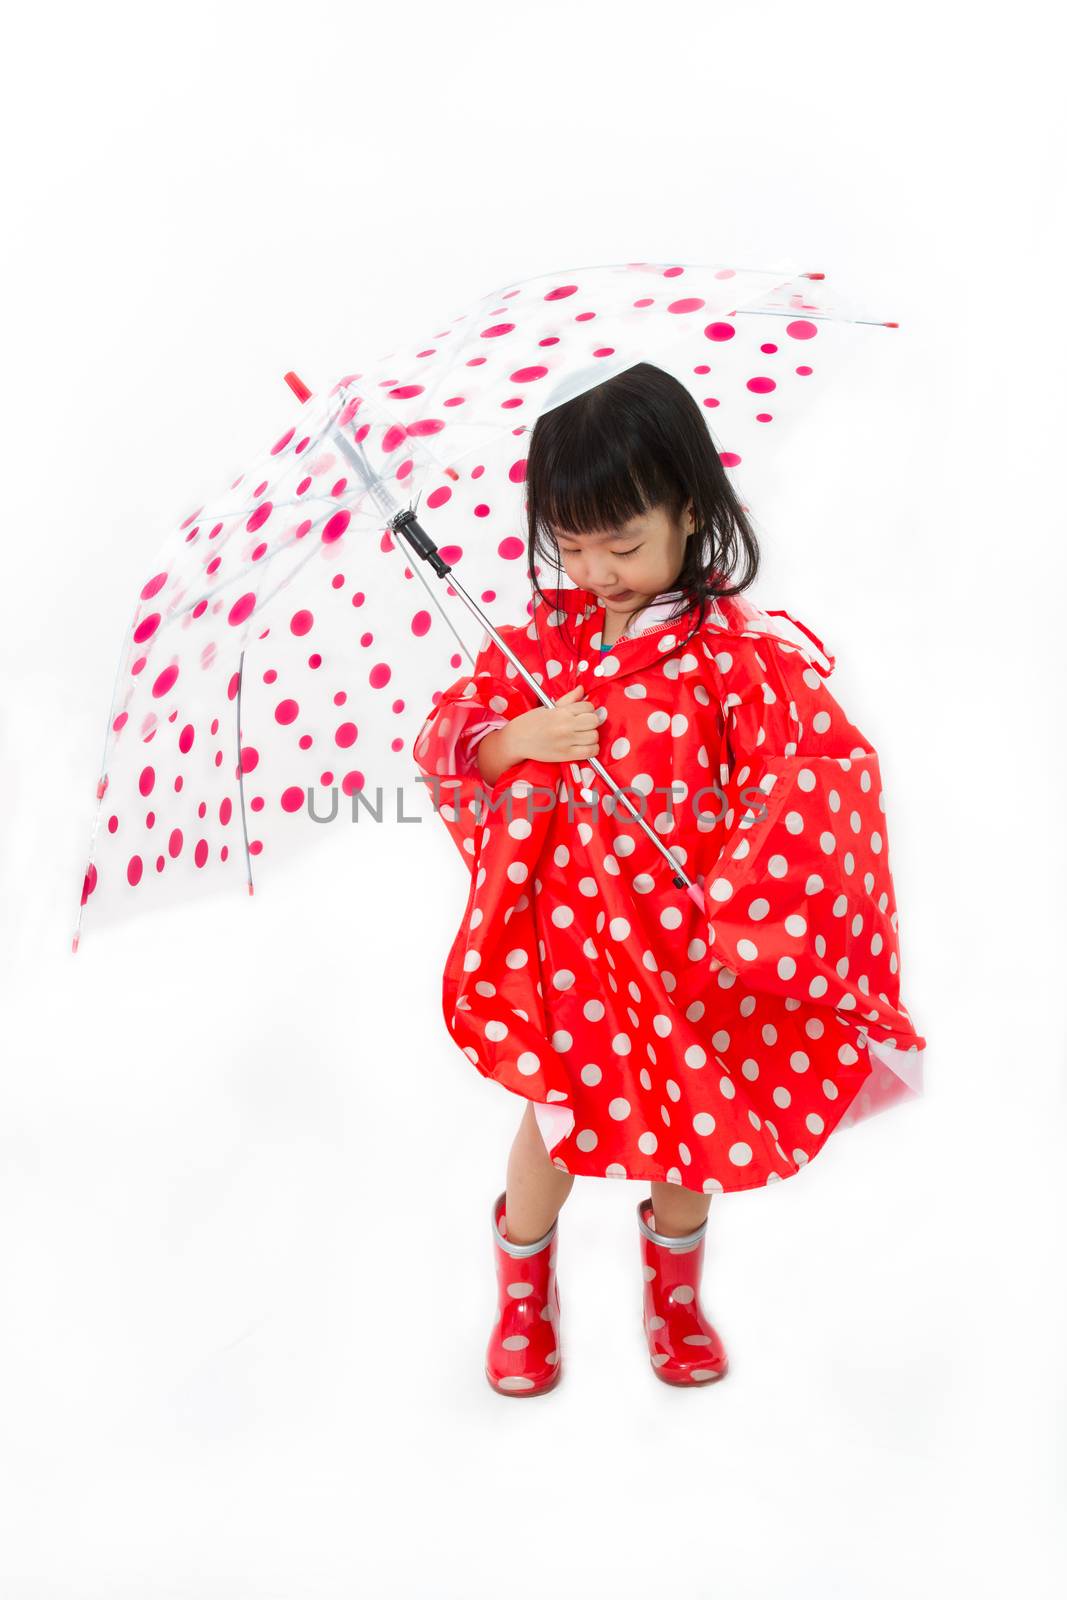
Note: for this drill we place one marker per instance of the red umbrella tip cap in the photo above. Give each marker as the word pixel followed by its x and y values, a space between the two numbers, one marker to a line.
pixel 298 386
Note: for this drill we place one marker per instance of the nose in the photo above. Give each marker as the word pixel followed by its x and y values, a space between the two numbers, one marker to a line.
pixel 597 572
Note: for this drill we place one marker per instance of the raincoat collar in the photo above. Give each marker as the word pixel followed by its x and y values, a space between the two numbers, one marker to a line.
pixel 579 617
pixel 657 631
pixel 662 609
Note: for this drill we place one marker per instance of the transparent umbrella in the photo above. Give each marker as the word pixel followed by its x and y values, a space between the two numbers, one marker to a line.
pixel 293 632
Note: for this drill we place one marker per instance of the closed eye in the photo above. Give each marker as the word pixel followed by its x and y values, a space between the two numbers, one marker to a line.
pixel 632 552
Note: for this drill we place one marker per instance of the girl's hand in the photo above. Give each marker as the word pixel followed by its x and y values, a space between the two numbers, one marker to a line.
pixel 567 731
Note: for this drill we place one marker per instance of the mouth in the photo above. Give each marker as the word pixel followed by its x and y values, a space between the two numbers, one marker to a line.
pixel 623 594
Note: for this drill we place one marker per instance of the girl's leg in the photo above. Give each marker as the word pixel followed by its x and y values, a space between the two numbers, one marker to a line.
pixel 536 1189
pixel 677 1211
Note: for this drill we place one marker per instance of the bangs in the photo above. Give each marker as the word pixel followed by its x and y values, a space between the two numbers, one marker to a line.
pixel 595 485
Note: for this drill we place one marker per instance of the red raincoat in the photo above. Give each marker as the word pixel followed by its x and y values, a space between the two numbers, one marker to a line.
pixel 716 1049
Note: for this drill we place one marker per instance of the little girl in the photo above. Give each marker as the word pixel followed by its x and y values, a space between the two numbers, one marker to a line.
pixel 701 1049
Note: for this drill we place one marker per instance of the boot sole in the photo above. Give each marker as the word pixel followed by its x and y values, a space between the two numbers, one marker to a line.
pixel 690 1382
pixel 525 1394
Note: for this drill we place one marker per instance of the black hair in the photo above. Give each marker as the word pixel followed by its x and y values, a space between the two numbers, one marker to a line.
pixel 637 441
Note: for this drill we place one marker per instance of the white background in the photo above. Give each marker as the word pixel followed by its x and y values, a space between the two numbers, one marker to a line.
pixel 245 1175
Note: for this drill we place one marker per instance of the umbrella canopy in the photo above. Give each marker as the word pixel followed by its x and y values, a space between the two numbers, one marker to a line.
pixel 284 646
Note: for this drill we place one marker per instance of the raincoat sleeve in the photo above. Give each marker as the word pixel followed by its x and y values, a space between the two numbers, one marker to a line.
pixel 800 900
pixel 472 736
pixel 445 746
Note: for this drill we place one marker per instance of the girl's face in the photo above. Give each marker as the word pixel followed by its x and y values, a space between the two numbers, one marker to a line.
pixel 631 565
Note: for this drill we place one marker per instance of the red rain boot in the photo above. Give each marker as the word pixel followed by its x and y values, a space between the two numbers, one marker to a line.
pixel 524 1355
pixel 682 1344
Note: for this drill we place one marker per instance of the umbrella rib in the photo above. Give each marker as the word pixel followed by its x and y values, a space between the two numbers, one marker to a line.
pixel 176 615
pixel 327 428
pixel 241 773
pixel 100 781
